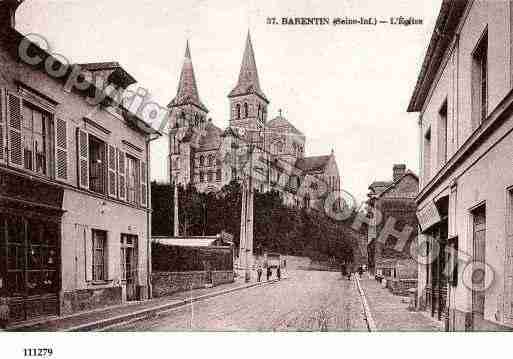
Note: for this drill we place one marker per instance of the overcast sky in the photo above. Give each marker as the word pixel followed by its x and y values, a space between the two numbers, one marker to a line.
pixel 345 87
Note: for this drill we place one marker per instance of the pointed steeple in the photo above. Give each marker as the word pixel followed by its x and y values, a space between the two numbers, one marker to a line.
pixel 187 88
pixel 248 77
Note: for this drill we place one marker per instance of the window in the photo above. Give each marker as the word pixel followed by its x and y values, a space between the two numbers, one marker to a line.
pixel 210 176
pixel 480 80
pixel 202 176
pixel 202 161
pixel 442 134
pixel 99 249
pixel 259 112
pixel 37 138
pixel 246 110
pixel 218 175
pixel 133 179
pixel 210 160
pixel 426 160
pixel 237 110
pixel 97 165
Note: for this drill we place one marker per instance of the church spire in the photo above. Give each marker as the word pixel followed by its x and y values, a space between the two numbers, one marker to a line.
pixel 187 88
pixel 248 77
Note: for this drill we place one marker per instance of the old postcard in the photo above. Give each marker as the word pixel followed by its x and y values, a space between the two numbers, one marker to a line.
pixel 255 166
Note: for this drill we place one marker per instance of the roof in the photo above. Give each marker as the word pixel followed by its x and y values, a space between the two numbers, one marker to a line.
pixel 248 77
pixel 118 75
pixel 211 138
pixel 312 163
pixel 186 241
pixel 11 38
pixel 446 24
pixel 393 183
pixel 282 122
pixel 187 93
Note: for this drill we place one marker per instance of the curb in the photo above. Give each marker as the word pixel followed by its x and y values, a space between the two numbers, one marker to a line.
pixel 142 314
pixel 371 325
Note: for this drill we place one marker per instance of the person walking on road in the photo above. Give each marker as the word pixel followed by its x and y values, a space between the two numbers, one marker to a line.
pixel 259 272
pixel 269 273
pixel 278 273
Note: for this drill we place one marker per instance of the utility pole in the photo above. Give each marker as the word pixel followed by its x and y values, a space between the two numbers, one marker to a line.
pixel 247 224
pixel 176 231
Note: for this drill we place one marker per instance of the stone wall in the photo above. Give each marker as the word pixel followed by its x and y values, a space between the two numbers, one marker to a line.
pixel 88 299
pixel 167 283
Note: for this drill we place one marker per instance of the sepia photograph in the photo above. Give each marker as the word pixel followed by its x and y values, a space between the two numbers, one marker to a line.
pixel 251 167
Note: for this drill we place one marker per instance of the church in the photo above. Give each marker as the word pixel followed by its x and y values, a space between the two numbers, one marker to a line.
pixel 269 154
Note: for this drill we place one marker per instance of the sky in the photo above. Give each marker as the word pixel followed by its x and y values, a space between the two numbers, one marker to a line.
pixel 345 87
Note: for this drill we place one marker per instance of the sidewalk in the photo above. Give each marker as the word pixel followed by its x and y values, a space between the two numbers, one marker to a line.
pixel 100 318
pixel 390 312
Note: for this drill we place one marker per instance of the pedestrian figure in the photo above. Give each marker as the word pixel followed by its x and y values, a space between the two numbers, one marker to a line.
pixel 360 271
pixel 259 272
pixel 278 273
pixel 269 273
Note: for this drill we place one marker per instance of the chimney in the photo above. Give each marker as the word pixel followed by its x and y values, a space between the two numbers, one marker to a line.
pixel 7 13
pixel 399 171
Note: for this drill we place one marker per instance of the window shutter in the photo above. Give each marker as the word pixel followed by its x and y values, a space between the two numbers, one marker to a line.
pixel 121 175
pixel 83 158
pixel 3 142
pixel 61 150
pixel 14 119
pixel 144 185
pixel 112 171
pixel 88 247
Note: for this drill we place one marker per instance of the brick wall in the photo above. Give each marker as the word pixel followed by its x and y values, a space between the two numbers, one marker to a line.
pixel 167 283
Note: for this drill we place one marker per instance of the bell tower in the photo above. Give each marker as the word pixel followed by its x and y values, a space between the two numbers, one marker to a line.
pixel 248 104
pixel 187 119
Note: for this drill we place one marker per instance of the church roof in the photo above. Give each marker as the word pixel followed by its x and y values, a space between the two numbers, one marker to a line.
pixel 282 122
pixel 211 138
pixel 187 93
pixel 312 163
pixel 248 77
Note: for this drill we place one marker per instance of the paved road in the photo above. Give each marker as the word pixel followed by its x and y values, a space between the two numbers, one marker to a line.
pixel 309 301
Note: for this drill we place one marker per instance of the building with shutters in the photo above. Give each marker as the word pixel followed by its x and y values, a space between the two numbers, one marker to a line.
pixel 464 99
pixel 74 199
pixel 272 151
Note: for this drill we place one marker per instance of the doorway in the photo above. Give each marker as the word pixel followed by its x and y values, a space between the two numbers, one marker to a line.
pixel 129 263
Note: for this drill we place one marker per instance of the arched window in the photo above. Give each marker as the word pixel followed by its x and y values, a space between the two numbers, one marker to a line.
pixel 210 160
pixel 202 161
pixel 306 201
pixel 218 175
pixel 246 110
pixel 237 107
pixel 259 112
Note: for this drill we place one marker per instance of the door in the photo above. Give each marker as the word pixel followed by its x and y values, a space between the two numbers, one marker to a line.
pixel 129 263
pixel 478 275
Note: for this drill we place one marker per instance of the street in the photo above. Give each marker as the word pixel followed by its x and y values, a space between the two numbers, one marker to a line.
pixel 306 301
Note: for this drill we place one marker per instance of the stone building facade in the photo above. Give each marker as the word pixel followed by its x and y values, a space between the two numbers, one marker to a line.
pixel 273 151
pixel 390 256
pixel 465 205
pixel 74 199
